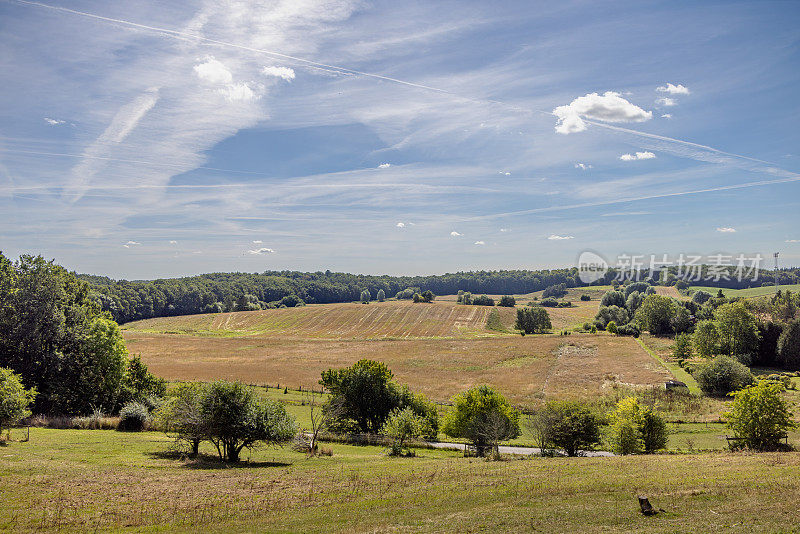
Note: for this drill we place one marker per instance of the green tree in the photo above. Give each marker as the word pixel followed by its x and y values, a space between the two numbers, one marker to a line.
pixel 14 399
pixel 723 375
pixel 701 297
pixel 483 416
pixel 533 320
pixel 569 425
pixel 234 419
pixel 738 330
pixel 611 327
pixel 760 416
pixel 180 415
pixel 682 349
pixel 365 296
pixel 788 353
pixel 381 295
pixel 706 339
pixel 636 428
pixel 428 296
pixel 507 301
pixel 401 426
pixel 139 385
pixel 613 298
pixel 613 313
pixel 661 315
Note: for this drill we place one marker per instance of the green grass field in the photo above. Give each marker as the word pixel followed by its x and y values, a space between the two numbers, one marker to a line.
pixel 750 292
pixel 78 481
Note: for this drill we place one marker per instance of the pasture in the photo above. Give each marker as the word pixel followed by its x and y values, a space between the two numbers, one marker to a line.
pixel 136 483
pixel 749 292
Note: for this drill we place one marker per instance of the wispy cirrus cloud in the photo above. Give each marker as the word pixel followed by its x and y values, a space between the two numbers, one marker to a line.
pixel 261 251
pixel 637 156
pixel 556 237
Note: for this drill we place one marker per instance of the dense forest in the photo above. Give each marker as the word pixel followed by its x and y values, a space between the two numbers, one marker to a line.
pixel 133 300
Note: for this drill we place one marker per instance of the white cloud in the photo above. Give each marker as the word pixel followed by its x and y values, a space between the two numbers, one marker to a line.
pixel 130 244
pixel 555 237
pixel 673 89
pixel 401 225
pixel 284 73
pixel 666 102
pixel 726 229
pixel 610 107
pixel 238 92
pixel 793 240
pixel 582 166
pixel 638 155
pixel 263 250
pixel 53 122
pixel 257 242
pixel 480 243
pixel 504 173
pixel 666 116
pixel 173 242
pixel 504 229
pixel 213 71
pixel 384 165
pixel 455 234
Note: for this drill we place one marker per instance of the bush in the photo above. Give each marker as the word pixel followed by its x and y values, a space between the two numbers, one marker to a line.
pixel 403 425
pixel 557 291
pixel 607 314
pixel 611 327
pixel 628 330
pixel 636 428
pixel 586 297
pixel 549 302
pixel 568 425
pixel 723 375
pixel 483 300
pixel 760 416
pixel 507 301
pixel 133 417
pixel 14 399
pixel 484 417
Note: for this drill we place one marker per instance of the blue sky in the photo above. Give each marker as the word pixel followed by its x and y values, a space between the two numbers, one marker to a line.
pixel 140 141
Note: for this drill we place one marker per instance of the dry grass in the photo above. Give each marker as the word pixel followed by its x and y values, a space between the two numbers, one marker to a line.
pixel 669 291
pixel 440 368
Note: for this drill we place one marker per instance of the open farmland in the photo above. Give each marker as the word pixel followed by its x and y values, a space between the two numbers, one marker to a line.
pixel 749 292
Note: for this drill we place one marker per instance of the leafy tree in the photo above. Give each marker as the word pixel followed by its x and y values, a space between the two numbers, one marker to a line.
pixel 483 300
pixel 611 327
pixel 403 425
pixel 14 399
pixel 788 354
pixel 365 296
pixel 555 291
pixel 723 375
pixel 139 385
pixel 701 297
pixel 381 295
pixel 417 298
pixel 364 394
pixel 613 313
pixel 586 297
pixel 661 315
pixel 760 415
pixel 180 414
pixel 234 419
pixel 507 301
pixel 428 296
pixel 466 298
pixel 568 425
pixel 636 428
pixel 533 320
pixel 738 330
pixel 629 329
pixel 549 302
pixel 633 302
pixel 613 298
pixel 706 339
pixel 636 287
pixel 483 416
pixel 682 349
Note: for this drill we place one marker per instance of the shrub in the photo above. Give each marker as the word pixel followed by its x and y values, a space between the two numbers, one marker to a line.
pixel 549 302
pixel 557 291
pixel 628 330
pixel 14 399
pixel 607 314
pixel 484 417
pixel 611 327
pixel 723 375
pixel 403 425
pixel 586 297
pixel 133 417
pixel 637 287
pixel 636 428
pixel 483 300
pixel 568 425
pixel 507 301
pixel 760 416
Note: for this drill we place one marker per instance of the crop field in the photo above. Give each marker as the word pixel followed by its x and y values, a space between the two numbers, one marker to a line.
pixel 83 480
pixel 525 368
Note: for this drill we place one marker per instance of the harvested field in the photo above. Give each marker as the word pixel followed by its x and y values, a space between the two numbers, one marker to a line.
pixel 669 291
pixel 391 319
pixel 439 368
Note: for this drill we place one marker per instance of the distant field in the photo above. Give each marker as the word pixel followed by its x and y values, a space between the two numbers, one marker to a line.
pixel 525 368
pixel 750 292
pixel 391 319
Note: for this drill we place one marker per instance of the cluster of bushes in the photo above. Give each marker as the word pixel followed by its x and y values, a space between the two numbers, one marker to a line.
pixel 465 297
pixel 556 291
pixel 550 302
pixel 249 302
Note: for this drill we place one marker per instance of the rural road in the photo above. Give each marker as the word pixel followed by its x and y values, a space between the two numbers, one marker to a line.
pixel 505 449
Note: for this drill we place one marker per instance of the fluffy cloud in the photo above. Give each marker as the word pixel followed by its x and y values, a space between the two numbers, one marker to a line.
pixel 555 237
pixel 480 243
pixel 263 250
pixel 673 89
pixel 238 92
pixel 455 234
pixel 213 71
pixel 173 242
pixel 384 165
pixel 610 107
pixel 285 73
pixel 582 166
pixel 130 244
pixel 726 230
pixel 666 102
pixel 401 225
pixel 638 155
pixel 53 122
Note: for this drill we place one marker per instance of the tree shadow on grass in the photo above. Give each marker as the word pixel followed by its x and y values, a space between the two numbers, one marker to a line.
pixel 210 461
